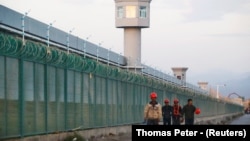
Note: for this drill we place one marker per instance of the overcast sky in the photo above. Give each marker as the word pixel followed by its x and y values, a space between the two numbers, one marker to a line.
pixel 203 35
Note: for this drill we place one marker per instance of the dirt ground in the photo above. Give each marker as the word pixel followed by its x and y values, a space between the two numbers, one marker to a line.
pixel 128 136
pixel 113 137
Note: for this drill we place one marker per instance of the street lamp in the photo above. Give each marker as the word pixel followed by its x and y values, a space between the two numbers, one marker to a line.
pixel 217 90
pixel 48 32
pixel 25 14
pixel 84 50
pixel 68 39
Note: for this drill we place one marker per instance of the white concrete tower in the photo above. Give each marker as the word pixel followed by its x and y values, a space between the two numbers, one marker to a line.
pixel 203 85
pixel 132 15
pixel 180 73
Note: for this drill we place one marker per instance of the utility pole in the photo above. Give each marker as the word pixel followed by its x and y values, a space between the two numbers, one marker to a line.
pixel 217 90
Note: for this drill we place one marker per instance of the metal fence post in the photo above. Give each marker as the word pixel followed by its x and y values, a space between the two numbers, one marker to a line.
pixel 21 98
pixel 65 97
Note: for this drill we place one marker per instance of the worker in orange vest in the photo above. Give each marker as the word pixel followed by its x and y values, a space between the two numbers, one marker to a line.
pixel 176 114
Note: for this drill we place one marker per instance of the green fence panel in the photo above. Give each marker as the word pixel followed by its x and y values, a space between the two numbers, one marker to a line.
pixel 29 98
pixel 39 94
pixel 45 90
pixel 78 102
pixel 86 102
pixel 70 103
pixel 51 99
pixel 3 100
pixel 14 109
pixel 60 99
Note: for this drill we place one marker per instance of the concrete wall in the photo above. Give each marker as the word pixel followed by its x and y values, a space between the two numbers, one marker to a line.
pixel 13 20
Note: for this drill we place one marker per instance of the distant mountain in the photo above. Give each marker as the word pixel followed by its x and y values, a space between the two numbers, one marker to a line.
pixel 235 82
pixel 239 86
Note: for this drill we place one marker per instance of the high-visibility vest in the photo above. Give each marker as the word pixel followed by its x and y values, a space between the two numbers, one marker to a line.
pixel 176 110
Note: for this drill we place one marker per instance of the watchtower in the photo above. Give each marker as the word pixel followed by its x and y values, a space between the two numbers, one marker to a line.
pixel 180 73
pixel 132 15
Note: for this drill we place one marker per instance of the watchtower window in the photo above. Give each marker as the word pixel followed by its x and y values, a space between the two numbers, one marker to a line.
pixel 130 11
pixel 143 12
pixel 120 12
pixel 179 77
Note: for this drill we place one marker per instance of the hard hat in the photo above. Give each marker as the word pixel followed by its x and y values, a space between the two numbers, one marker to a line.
pixel 176 100
pixel 166 101
pixel 153 95
pixel 197 111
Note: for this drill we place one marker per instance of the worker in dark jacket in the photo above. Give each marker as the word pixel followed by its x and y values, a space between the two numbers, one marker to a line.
pixel 188 112
pixel 167 112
